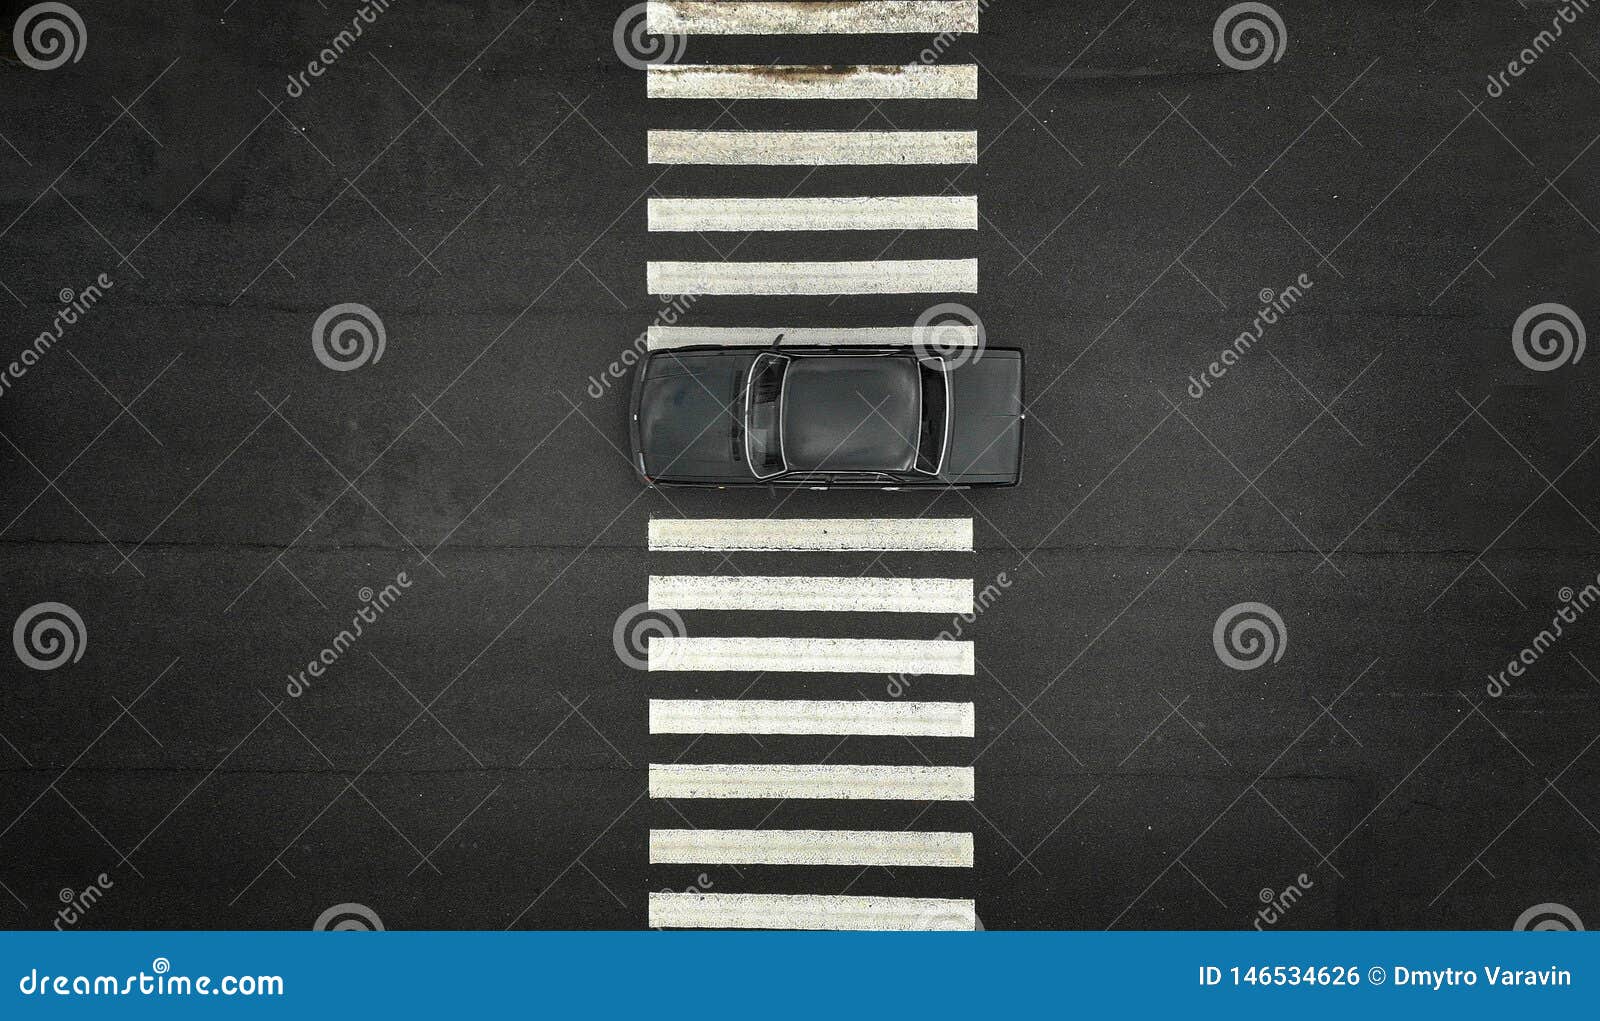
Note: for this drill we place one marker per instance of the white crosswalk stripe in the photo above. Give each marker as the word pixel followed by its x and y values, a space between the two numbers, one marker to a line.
pixel 812 655
pixel 877 276
pixel 852 595
pixel 823 782
pixel 660 338
pixel 870 212
pixel 757 17
pixel 870 535
pixel 912 849
pixel 811 148
pixel 670 910
pixel 796 81
pixel 797 716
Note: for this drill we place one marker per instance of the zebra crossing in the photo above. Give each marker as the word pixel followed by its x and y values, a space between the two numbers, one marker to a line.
pixel 740 594
pixel 953 336
pixel 678 546
pixel 885 212
pixel 811 716
pixel 862 595
pixel 793 535
pixel 871 276
pixel 807 911
pixel 812 655
pixel 822 780
pixel 908 849
pixel 811 148
pixel 752 17
pixel 811 82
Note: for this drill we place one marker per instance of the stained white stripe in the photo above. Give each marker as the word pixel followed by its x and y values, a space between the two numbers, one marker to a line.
pixel 794 81
pixel 797 716
pixel 811 847
pixel 671 910
pixel 832 783
pixel 812 148
pixel 852 595
pixel 666 337
pixel 886 276
pixel 812 655
pixel 820 534
pixel 753 17
pixel 877 212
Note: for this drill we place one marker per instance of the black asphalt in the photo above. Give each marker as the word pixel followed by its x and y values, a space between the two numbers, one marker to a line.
pixel 1380 469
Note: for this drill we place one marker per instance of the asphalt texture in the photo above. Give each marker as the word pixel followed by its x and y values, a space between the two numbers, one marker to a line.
pixel 1380 469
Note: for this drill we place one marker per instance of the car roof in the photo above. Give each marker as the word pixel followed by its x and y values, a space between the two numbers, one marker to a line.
pixel 851 413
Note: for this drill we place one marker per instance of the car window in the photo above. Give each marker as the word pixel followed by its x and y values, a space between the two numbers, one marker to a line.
pixel 763 396
pixel 935 411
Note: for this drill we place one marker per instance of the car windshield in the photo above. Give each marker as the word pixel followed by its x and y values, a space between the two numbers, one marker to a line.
pixel 935 412
pixel 762 437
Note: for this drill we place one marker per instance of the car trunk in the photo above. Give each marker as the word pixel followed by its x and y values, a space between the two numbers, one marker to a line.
pixel 986 421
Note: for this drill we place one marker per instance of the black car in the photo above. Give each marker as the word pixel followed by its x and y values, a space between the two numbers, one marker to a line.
pixel 893 418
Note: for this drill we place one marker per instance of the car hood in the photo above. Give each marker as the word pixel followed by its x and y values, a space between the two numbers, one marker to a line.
pixel 687 415
pixel 985 420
